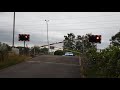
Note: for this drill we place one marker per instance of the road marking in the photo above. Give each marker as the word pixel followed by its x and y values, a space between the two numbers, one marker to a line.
pixel 53 63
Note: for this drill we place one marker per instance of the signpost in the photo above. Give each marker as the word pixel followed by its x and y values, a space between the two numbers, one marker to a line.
pixel 95 39
pixel 24 37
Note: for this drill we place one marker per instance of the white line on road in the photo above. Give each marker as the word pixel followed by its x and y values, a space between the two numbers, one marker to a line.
pixel 53 63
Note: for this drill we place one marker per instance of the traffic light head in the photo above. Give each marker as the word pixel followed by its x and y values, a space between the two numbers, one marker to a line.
pixel 98 38
pixel 24 37
pixel 21 37
pixel 95 38
pixel 91 38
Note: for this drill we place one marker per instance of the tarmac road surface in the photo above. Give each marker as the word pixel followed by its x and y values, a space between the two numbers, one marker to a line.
pixel 45 66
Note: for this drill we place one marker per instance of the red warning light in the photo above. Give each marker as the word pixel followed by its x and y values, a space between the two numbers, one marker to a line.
pixel 25 36
pixel 97 37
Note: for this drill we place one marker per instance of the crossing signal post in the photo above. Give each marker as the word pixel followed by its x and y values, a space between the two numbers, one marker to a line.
pixel 24 37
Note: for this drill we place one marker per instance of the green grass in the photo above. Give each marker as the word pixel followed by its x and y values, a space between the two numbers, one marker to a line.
pixel 12 60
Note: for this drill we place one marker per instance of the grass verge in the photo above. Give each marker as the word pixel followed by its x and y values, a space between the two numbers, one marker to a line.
pixel 12 60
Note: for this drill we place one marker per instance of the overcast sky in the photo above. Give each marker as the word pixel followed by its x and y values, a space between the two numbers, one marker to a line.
pixel 60 23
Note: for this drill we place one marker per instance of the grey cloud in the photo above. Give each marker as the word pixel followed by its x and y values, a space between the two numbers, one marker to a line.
pixel 5 36
pixel 59 25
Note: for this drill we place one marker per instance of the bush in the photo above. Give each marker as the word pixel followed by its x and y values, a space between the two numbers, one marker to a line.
pixel 103 64
pixel 4 49
pixel 59 52
pixel 12 60
pixel 8 58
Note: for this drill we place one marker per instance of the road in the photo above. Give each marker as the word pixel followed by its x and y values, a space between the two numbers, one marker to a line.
pixel 45 66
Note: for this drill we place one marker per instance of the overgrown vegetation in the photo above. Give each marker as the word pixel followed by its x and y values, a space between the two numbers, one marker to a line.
pixel 12 60
pixel 79 43
pixel 39 50
pixel 103 64
pixel 59 52
pixel 8 58
pixel 4 49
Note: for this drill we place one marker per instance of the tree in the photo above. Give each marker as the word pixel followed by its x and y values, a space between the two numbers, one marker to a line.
pixel 44 50
pixel 115 40
pixel 105 63
pixel 82 42
pixel 35 50
pixel 79 43
pixel 69 41
pixel 4 48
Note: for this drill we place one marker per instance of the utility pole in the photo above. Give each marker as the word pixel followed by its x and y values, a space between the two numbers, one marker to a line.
pixel 47 35
pixel 24 47
pixel 83 44
pixel 13 29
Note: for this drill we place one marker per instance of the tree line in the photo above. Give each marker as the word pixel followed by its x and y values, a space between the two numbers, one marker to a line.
pixel 76 44
pixel 5 49
pixel 104 64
